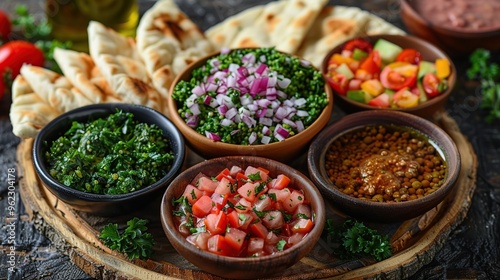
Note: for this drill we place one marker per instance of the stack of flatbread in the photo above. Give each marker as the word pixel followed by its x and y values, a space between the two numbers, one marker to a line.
pixel 140 70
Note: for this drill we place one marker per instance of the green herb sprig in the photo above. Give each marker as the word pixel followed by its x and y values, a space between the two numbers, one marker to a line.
pixel 488 74
pixel 134 241
pixel 353 239
pixel 39 33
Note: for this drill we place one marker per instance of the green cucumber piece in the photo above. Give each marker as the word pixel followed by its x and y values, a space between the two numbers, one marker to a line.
pixel 425 67
pixel 359 96
pixel 388 51
pixel 344 70
pixel 358 54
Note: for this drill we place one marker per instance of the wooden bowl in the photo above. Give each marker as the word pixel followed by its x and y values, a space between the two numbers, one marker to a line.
pixel 234 267
pixel 100 204
pixel 453 40
pixel 429 53
pixel 382 211
pixel 286 150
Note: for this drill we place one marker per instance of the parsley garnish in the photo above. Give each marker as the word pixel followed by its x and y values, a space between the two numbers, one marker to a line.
pixel 281 245
pixel 353 239
pixel 488 74
pixel 255 176
pixel 134 241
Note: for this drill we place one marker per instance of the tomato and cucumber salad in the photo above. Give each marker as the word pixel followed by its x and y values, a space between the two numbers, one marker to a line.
pixel 243 212
pixel 386 75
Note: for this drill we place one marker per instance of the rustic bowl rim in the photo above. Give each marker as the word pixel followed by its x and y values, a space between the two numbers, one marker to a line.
pixel 333 131
pixel 191 135
pixel 372 38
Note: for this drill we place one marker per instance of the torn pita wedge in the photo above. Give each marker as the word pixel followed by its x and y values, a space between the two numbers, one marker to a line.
pixel 54 89
pixel 168 41
pixel 28 112
pixel 281 24
pixel 81 71
pixel 118 60
pixel 334 25
pixel 223 34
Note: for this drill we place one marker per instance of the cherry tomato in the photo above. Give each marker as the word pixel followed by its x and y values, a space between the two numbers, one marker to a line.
pixel 358 43
pixel 398 75
pixel 409 55
pixel 372 63
pixel 339 83
pixel 5 26
pixel 13 55
pixel 431 85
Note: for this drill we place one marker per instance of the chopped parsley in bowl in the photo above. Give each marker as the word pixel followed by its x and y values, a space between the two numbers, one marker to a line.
pixel 111 155
pixel 243 99
pixel 108 159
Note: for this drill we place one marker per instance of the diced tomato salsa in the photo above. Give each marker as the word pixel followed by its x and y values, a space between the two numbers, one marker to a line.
pixel 243 212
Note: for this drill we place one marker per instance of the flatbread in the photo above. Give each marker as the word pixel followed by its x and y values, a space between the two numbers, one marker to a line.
pixel 118 60
pixel 334 25
pixel 28 112
pixel 222 35
pixel 280 24
pixel 168 41
pixel 81 71
pixel 297 27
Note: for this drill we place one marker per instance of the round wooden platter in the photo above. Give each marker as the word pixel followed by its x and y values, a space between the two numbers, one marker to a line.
pixel 414 242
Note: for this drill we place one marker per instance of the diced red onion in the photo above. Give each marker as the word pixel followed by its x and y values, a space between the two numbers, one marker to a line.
pixel 261 112
pixel 248 58
pixel 302 113
pixel 195 109
pixel 305 63
pixel 283 82
pixel 212 136
pixel 280 113
pixel 281 94
pixel 266 121
pixel 225 50
pixel 226 122
pixel 192 121
pixel 266 130
pixel 252 137
pixel 234 132
pixel 265 139
pixel 300 125
pixel 231 113
pixel 198 90
pixel 300 102
pixel 290 123
pixel 222 109
pixel 261 68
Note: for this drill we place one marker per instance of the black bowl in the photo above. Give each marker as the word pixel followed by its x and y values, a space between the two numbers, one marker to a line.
pixel 101 204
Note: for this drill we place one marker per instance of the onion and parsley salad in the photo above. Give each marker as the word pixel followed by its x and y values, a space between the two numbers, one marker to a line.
pixel 112 155
pixel 251 96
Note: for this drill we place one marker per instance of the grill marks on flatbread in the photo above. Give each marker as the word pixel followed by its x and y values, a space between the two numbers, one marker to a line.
pixel 333 25
pixel 168 41
pixel 281 24
pixel 119 62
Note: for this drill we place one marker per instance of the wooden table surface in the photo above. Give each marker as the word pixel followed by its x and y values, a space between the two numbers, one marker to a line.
pixel 471 252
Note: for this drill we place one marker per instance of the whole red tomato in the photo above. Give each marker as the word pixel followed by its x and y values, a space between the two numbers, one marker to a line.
pixel 5 26
pixel 13 55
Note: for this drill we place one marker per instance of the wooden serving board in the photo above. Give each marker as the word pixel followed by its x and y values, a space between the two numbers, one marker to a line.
pixel 414 242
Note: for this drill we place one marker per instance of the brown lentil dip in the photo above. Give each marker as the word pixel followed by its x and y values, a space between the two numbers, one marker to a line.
pixel 385 163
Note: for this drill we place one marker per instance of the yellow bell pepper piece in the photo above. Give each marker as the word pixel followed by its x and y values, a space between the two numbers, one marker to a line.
pixel 374 87
pixel 443 69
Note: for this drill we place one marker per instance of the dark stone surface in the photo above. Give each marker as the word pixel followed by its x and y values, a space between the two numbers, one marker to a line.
pixel 472 250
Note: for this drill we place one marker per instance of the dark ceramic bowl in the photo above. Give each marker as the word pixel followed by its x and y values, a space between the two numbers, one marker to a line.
pixel 382 211
pixel 453 40
pixel 99 204
pixel 429 53
pixel 286 150
pixel 234 267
